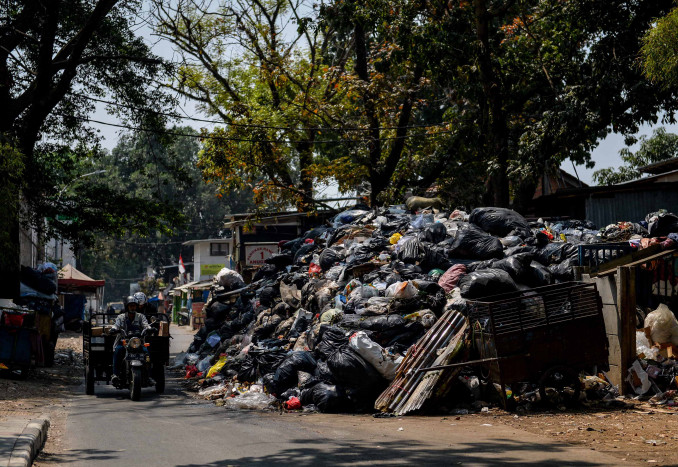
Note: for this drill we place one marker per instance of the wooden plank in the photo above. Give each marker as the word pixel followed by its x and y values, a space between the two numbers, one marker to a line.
pixel 634 259
pixel 626 298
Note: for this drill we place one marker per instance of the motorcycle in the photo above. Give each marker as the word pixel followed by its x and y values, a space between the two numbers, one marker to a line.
pixel 138 369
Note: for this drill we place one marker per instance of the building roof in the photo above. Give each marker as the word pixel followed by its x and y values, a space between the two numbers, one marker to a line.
pixel 661 166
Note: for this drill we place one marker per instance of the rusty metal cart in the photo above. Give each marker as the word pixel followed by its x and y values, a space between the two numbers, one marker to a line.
pixel 546 335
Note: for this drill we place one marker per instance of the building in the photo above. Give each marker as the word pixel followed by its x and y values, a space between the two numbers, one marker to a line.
pixel 628 201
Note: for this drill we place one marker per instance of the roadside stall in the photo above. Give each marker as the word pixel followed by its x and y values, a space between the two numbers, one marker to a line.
pixel 189 300
pixel 75 288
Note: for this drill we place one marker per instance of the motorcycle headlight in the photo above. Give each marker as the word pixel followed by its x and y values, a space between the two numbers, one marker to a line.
pixel 135 343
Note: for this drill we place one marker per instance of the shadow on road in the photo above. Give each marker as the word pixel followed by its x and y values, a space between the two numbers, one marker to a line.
pixel 80 455
pixel 303 452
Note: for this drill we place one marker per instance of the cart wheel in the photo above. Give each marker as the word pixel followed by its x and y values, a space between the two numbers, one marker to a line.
pixel 135 385
pixel 559 386
pixel 159 378
pixel 89 380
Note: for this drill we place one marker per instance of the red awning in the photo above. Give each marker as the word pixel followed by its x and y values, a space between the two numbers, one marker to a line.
pixel 71 278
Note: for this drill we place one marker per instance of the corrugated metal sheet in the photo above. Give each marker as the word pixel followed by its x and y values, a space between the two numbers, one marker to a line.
pixel 629 206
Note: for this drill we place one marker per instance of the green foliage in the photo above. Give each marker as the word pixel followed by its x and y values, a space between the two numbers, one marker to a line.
pixel 659 147
pixel 659 51
pixel 57 56
pixel 166 202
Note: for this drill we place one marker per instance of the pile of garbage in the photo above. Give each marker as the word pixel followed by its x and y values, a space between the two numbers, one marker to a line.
pixel 655 372
pixel 326 322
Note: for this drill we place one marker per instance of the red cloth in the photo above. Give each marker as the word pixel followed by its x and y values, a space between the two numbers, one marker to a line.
pixel 448 281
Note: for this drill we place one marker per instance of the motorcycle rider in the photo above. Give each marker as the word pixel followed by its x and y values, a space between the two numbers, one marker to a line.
pixel 131 321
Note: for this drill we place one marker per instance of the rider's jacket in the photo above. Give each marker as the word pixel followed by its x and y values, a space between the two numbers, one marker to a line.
pixel 138 324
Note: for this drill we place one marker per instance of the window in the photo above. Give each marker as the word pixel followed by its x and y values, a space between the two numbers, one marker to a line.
pixel 218 249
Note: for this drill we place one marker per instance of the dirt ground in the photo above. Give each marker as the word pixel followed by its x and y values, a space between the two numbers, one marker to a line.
pixel 636 433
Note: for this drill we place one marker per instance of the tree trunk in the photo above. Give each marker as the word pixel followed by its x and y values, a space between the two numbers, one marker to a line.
pixel 494 141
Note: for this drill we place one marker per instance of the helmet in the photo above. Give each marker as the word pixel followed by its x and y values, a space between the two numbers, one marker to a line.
pixel 140 298
pixel 131 301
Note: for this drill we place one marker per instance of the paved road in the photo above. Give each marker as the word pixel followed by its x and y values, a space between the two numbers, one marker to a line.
pixel 109 429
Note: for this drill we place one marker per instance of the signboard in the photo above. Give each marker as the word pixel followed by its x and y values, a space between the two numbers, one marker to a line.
pixel 257 253
pixel 210 269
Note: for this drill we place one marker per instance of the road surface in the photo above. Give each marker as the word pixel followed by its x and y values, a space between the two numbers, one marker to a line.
pixel 172 429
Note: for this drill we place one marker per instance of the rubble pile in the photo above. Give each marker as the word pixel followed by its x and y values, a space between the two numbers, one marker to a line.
pixel 325 323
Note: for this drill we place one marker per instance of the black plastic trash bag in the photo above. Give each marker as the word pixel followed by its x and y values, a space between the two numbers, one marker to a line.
pixel 268 360
pixel 556 253
pixel 286 374
pixel 434 233
pixel 351 370
pixel 328 258
pixel 540 275
pixel 564 271
pixel 500 221
pixel 280 260
pixel 660 224
pixel 486 282
pixel 473 243
pixel 329 398
pixel 412 251
pixel 248 370
pixel 383 323
pixel 303 255
pixel 323 373
pixel 329 339
pixel 265 271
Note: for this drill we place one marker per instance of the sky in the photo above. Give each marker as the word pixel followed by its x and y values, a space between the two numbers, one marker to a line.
pixel 606 154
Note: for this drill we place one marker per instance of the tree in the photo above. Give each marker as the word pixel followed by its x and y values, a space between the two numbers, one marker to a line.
pixel 660 45
pixel 534 83
pixel 260 67
pixel 659 147
pixel 161 170
pixel 55 57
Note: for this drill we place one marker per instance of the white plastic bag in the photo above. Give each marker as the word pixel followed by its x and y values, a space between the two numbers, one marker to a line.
pixel 643 347
pixel 250 401
pixel 663 325
pixel 375 355
pixel 402 290
pixel 642 376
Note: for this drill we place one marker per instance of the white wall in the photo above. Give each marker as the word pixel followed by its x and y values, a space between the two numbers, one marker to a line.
pixel 201 256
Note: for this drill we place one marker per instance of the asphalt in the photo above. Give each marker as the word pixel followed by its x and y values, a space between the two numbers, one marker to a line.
pixel 173 429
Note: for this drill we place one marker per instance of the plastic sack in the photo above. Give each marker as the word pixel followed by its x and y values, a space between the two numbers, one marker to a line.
pixel 375 355
pixel 364 291
pixel 351 286
pixel 412 251
pixel 327 397
pixel 434 233
pixel 449 280
pixel 293 403
pixel 638 378
pixel 216 392
pixel 191 359
pixel 395 238
pixel 473 243
pixel 328 258
pixel 329 339
pixel 661 223
pixel 402 290
pixel 213 339
pixel 250 401
pixel 216 368
pixel 500 221
pixel 229 279
pixel 351 370
pixel 663 325
pixel 204 364
pixel 643 348
pixel 486 282
pixel 286 374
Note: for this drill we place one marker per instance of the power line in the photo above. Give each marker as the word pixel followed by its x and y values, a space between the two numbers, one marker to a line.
pixel 251 125
pixel 246 140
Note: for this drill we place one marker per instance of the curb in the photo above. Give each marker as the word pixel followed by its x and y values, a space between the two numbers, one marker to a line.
pixel 29 443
